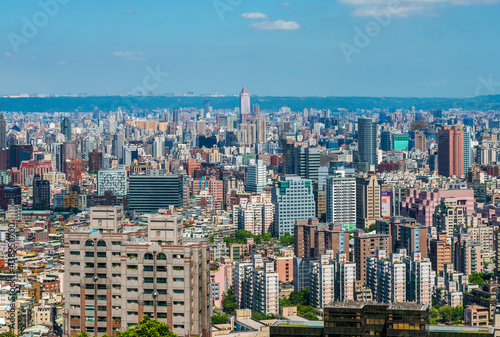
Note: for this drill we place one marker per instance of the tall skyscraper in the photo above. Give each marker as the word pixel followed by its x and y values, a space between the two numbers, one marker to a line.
pixel 256 176
pixel 341 199
pixel 261 130
pixel 367 141
pixel 368 201
pixel 117 147
pixel 66 128
pixel 467 149
pixel 41 193
pixel 3 132
pixel 244 105
pixel 420 141
pixel 386 143
pixel 306 162
pixel 451 151
pixel 293 200
pixel 175 116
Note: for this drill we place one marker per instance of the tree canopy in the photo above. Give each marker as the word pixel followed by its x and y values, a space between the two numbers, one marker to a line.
pixel 147 328
pixel 229 304
pixel 480 278
pixel 287 239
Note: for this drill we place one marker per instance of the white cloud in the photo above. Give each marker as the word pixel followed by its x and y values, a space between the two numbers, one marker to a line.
pixel 285 4
pixel 254 15
pixel 130 11
pixel 130 55
pixel 402 11
pixel 404 8
pixel 275 25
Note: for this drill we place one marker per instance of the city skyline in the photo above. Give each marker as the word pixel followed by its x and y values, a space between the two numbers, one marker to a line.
pixel 275 48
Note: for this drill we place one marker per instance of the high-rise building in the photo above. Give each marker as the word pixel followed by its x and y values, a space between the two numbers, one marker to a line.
pixel 117 146
pixel 244 105
pixel 364 247
pixel 69 150
pixel 3 132
pixel 468 255
pixel 368 201
pixel 313 239
pixel 293 200
pixel 420 140
pixel 404 233
pixel 386 277
pixel 440 252
pixel 256 218
pixel 115 274
pixel 341 199
pixel 386 143
pixel 260 130
pixel 401 142
pixel 256 176
pixel 451 151
pixel 41 193
pixel 112 180
pixel 256 285
pixel 367 141
pixel 66 128
pixel 397 277
pixel 148 193
pixel 18 154
pixel 175 116
pixel 467 149
pixel 95 160
pixel 307 162
pixel 73 169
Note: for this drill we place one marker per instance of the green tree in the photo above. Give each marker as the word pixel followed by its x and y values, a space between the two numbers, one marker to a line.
pixel 434 314
pixel 82 334
pixel 458 313
pixel 287 239
pixel 446 312
pixel 218 318
pixel 371 228
pixel 229 304
pixel 148 328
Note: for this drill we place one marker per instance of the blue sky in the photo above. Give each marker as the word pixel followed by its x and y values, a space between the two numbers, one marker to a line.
pixel 424 48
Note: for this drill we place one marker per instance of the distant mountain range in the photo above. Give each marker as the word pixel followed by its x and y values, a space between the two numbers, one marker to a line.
pixel 111 103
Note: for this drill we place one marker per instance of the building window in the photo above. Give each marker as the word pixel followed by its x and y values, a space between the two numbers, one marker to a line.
pixel 89 243
pixel 101 243
pixel 148 256
pixel 161 257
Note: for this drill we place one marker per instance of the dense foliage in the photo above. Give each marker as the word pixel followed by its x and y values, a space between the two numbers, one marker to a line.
pixel 218 318
pixel 147 328
pixel 241 235
pixel 480 278
pixel 300 299
pixel 229 304
pixel 261 316
pixel 287 240
pixel 446 314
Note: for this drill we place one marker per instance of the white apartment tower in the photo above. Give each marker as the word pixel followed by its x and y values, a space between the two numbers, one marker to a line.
pixel 256 286
pixel 341 199
pixel 256 176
